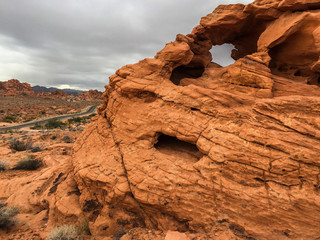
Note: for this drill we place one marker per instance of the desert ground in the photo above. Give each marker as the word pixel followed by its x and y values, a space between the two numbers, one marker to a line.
pixel 24 109
pixel 47 146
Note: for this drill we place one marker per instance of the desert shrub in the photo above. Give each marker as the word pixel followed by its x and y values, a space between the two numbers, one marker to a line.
pixel 79 120
pixel 75 120
pixel 28 163
pixel 9 119
pixel 80 129
pixel 18 145
pixel 3 166
pixel 54 123
pixel 64 232
pixel 7 216
pixel 29 119
pixel 83 227
pixel 37 126
pixel 67 139
pixel 36 149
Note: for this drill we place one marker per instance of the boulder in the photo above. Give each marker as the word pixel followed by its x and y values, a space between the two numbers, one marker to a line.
pixel 184 144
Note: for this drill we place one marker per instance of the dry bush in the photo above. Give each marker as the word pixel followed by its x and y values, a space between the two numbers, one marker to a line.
pixel 7 216
pixel 28 163
pixel 18 145
pixel 54 123
pixel 67 139
pixel 3 166
pixel 64 232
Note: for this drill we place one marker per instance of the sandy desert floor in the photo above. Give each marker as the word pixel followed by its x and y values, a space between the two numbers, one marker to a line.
pixel 23 109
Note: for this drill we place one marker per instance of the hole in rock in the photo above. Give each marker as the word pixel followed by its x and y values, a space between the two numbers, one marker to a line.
pixel 295 64
pixel 175 147
pixel 297 73
pixel 221 54
pixel 186 71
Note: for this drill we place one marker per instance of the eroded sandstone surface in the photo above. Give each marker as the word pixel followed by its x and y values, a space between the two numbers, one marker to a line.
pixel 91 95
pixel 186 145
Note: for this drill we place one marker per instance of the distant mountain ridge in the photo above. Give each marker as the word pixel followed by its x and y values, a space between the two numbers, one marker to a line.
pixel 38 88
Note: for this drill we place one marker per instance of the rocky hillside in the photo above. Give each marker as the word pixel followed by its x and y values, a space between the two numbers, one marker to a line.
pixel 184 144
pixel 13 87
pixel 57 94
pixel 91 95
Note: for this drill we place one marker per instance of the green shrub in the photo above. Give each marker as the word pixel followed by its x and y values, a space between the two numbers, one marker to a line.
pixel 28 163
pixel 7 216
pixel 79 120
pixel 37 126
pixel 3 166
pixel 64 232
pixel 53 137
pixel 18 145
pixel 54 123
pixel 75 120
pixel 9 119
pixel 67 139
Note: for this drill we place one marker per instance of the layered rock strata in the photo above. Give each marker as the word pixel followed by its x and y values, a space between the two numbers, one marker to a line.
pixel 182 143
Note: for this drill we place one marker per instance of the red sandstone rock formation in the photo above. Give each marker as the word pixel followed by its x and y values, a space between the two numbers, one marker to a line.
pixel 57 94
pixel 13 87
pixel 91 95
pixel 184 144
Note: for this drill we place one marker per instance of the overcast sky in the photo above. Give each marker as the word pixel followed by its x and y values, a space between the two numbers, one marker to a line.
pixel 79 44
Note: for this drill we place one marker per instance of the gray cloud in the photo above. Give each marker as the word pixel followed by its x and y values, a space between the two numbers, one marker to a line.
pixel 81 43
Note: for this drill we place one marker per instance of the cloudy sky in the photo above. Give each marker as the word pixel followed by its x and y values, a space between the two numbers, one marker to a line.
pixel 79 44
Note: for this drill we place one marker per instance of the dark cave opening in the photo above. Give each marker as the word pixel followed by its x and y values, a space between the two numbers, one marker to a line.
pixel 173 146
pixel 186 71
pixel 294 65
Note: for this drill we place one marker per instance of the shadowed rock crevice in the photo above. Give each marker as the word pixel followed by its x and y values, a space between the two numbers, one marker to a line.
pixel 186 71
pixel 173 146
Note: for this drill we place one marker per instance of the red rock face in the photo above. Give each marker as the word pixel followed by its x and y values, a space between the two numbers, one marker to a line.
pixel 13 87
pixel 57 94
pixel 91 95
pixel 182 143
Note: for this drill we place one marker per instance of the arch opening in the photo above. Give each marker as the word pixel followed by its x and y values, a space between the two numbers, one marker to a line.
pixel 221 54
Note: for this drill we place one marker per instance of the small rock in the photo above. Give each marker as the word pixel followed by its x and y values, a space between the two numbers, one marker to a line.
pixel 173 235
